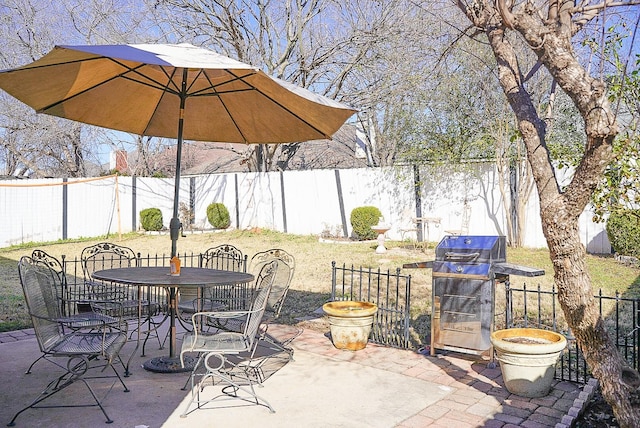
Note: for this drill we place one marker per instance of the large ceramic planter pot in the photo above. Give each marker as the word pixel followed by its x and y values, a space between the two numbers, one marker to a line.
pixel 528 358
pixel 350 323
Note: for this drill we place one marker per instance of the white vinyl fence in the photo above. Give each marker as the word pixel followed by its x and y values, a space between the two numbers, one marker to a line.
pixel 297 202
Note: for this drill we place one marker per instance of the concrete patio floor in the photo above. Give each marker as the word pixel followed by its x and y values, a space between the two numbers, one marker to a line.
pixel 322 387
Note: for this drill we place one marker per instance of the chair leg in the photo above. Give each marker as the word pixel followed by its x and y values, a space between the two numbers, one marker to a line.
pixel 192 375
pixel 54 387
pixel 126 365
pixel 74 373
pixel 33 364
pixel 232 391
pixel 229 392
pixel 156 325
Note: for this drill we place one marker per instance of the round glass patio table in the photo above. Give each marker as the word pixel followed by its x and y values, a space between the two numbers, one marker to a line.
pixel 158 276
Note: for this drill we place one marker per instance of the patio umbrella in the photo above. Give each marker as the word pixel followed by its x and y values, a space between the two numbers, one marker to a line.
pixel 174 91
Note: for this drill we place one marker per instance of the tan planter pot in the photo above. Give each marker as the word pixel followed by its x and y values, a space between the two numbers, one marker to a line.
pixel 528 358
pixel 350 323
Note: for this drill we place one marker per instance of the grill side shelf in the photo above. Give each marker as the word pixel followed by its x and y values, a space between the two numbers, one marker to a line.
pixel 416 265
pixel 511 269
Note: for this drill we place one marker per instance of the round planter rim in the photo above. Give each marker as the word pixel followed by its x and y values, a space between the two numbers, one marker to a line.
pixel 555 342
pixel 349 308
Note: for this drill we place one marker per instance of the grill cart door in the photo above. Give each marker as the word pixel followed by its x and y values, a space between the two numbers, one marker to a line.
pixel 462 315
pixel 463 307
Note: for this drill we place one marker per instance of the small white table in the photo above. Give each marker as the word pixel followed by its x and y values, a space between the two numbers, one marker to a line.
pixel 381 229
pixel 425 221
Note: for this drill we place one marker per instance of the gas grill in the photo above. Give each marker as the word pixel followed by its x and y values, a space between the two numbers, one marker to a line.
pixel 465 272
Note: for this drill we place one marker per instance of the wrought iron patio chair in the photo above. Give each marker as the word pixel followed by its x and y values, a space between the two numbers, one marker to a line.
pixel 281 284
pixel 84 351
pixel 133 303
pixel 90 320
pixel 223 257
pixel 237 378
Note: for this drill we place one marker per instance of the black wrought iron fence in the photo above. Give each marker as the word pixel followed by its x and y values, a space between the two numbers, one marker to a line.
pixel 535 307
pixel 520 307
pixel 390 291
pixel 186 260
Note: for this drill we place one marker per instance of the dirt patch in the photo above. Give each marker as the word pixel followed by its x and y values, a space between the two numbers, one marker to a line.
pixel 598 413
pixel 526 340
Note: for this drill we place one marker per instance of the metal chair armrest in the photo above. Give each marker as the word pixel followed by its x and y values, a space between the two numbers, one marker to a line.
pixel 222 314
pixel 211 305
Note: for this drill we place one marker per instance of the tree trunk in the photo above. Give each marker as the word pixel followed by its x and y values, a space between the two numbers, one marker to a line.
pixel 560 209
pixel 575 295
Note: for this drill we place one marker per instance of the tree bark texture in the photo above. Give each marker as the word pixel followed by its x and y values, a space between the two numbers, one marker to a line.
pixel 550 40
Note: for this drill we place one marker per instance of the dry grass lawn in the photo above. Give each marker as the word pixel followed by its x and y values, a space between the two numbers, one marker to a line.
pixel 311 286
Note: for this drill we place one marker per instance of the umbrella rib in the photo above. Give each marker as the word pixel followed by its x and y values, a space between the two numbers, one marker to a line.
pixel 217 93
pixel 202 92
pixel 233 120
pixel 169 87
pixel 283 107
pixel 213 86
pixel 163 88
pixel 57 64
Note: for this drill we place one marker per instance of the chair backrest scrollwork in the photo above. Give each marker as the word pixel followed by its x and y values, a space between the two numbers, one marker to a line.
pixel 224 257
pixel 106 255
pixel 282 282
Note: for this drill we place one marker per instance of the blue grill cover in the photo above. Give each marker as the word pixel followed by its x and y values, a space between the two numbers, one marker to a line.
pixel 472 248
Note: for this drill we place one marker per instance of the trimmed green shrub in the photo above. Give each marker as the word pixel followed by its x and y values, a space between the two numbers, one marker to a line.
pixel 623 230
pixel 362 218
pixel 218 215
pixel 151 219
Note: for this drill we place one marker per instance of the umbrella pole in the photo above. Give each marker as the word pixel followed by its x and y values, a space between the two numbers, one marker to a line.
pixel 175 225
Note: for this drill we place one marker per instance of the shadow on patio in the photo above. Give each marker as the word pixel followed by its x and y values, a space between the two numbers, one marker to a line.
pixel 321 387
